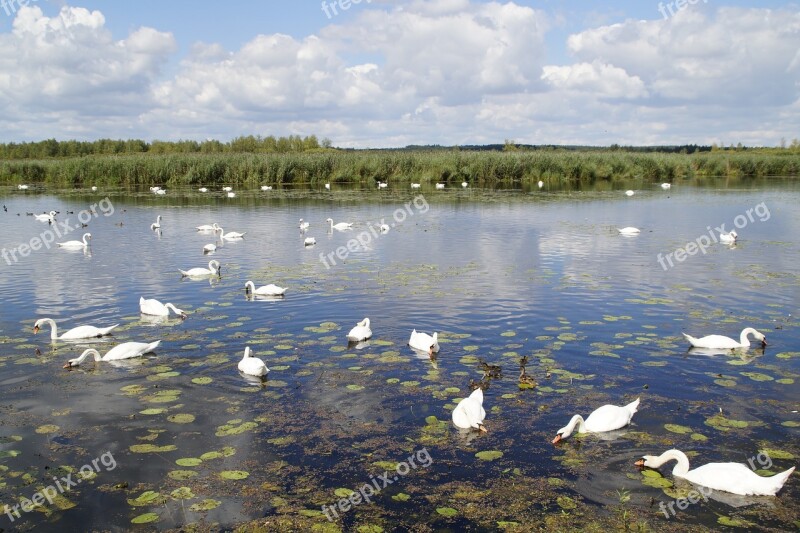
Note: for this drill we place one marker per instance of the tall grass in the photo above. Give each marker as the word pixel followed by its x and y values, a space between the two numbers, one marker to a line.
pixel 370 166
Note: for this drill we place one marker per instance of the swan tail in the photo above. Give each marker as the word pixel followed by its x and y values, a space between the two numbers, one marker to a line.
pixel 779 479
pixel 152 346
pixel 691 339
pixel 107 330
pixel 633 406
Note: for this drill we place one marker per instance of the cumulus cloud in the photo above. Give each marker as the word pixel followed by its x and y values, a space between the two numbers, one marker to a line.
pixel 414 71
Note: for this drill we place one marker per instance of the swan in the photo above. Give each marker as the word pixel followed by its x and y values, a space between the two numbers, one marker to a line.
pixel 227 189
pixel 415 185
pixel 155 189
pixel 208 227
pixel 666 186
pixel 157 223
pixel 94 188
pixel 212 270
pixel 309 241
pixel 629 193
pixel 605 418
pixel 266 290
pixel 46 217
pixel 384 228
pixel 328 186
pixel 77 244
pixel 126 350
pixel 360 332
pixel 266 187
pixel 231 235
pixel 208 248
pixel 81 332
pixel 22 187
pixel 469 412
pixel 231 195
pixel 464 184
pixel 728 238
pixel 202 189
pixel 540 184
pixel 161 191
pixel 304 225
pixel 341 226
pixel 736 478
pixel 252 366
pixel 440 185
pixel 154 307
pixel 722 342
pixel 424 342
pixel 630 230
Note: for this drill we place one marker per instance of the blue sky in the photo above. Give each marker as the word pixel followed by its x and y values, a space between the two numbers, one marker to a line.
pixel 390 73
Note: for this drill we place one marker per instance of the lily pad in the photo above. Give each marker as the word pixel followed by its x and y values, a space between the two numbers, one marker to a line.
pixel 205 505
pixel 189 461
pixel 152 448
pixel 147 518
pixel 449 512
pixel 489 455
pixel 181 418
pixel 182 493
pixel 233 474
pixel 675 428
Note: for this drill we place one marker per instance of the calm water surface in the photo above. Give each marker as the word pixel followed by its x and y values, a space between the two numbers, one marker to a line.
pixel 499 274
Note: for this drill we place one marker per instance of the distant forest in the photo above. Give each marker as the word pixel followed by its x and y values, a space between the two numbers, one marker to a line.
pixel 295 144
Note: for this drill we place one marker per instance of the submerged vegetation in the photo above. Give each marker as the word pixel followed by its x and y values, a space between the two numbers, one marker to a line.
pixel 251 161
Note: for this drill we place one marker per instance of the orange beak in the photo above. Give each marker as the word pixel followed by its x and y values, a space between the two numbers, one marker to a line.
pixel 68 365
pixel 35 330
pixel 483 428
pixel 557 439
pixel 639 463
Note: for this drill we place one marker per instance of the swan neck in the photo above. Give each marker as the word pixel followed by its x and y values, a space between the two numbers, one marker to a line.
pixel 681 469
pixel 577 420
pixel 53 328
pixel 743 340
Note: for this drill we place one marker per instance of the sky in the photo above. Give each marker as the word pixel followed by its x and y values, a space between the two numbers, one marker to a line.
pixel 389 73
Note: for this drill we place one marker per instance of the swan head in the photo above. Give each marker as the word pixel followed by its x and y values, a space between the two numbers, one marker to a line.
pixel 37 326
pixel 566 431
pixel 760 337
pixel 648 461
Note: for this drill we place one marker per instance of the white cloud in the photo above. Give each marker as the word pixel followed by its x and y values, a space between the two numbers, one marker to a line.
pixel 409 72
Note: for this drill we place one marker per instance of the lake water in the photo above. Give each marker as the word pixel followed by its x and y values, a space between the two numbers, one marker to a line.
pixel 180 437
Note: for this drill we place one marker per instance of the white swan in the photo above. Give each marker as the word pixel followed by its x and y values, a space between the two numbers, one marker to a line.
pixel 385 228
pixel 424 342
pixel 266 187
pixel 360 332
pixel 309 241
pixel 231 235
pixel 328 186
pixel 155 189
pixel 202 189
pixel 157 223
pixel 227 189
pixel 666 186
pixel 77 244
pixel 46 217
pixel 736 478
pixel 629 193
pixel 728 238
pixel 22 187
pixel 126 350
pixel 161 191
pixel 726 343
pixel 415 185
pixel 265 290
pixel 540 184
pixel 208 248
pixel 231 195
pixel 440 185
pixel 208 227
pixel 382 185
pixel 81 332
pixel 154 307
pixel 212 270
pixel 464 184
pixel 304 225
pixel 341 226
pixel 469 412
pixel 94 188
pixel 252 366
pixel 630 230
pixel 605 418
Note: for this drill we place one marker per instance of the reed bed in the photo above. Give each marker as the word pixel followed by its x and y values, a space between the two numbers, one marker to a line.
pixel 364 166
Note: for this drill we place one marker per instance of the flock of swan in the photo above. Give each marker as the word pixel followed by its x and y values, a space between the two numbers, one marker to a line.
pixel 469 414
